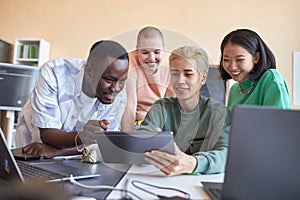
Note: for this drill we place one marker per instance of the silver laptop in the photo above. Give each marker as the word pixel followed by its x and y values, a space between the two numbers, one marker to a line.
pixel 263 160
pixel 129 147
pixel 49 171
pixel 21 171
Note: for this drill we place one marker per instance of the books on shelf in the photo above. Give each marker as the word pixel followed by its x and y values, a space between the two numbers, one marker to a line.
pixel 31 51
pixel 27 52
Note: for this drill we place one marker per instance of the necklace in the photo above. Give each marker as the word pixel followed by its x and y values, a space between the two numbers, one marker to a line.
pixel 246 91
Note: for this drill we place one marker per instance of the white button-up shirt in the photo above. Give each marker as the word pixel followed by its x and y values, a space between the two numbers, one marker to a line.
pixel 57 101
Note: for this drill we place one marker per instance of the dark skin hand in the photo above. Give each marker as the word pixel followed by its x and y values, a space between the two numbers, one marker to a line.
pixel 60 143
pixel 91 127
pixel 47 151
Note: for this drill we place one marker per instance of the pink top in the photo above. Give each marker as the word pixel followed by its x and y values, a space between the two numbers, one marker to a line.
pixel 149 87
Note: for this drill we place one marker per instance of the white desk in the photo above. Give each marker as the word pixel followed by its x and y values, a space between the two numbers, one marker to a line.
pixel 148 174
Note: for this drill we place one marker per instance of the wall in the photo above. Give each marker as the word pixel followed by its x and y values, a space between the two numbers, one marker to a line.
pixel 71 26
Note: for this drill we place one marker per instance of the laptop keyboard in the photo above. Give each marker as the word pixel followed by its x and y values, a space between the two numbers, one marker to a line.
pixel 32 172
pixel 213 189
pixel 215 193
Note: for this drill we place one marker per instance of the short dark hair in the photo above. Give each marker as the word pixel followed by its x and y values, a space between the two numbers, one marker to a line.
pixel 107 48
pixel 252 42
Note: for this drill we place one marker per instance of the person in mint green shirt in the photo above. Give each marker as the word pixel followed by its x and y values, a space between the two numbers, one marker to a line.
pixel 246 59
pixel 200 125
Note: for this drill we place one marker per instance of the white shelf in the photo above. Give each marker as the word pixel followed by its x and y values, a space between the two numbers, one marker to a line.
pixel 30 51
pixel 27 59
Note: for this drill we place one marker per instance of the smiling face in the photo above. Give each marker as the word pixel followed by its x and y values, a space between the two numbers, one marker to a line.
pixel 112 81
pixel 150 52
pixel 185 79
pixel 238 62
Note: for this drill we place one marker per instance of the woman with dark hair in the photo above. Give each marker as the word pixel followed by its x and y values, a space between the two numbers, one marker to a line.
pixel 245 58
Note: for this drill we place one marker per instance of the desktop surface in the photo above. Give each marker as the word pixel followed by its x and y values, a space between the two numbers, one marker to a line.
pixel 190 184
pixel 109 175
pixel 121 176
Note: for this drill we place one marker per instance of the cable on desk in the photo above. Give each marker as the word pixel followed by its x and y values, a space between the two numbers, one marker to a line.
pixel 102 187
pixel 134 183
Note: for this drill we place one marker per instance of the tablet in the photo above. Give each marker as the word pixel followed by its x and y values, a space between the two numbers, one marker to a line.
pixel 129 147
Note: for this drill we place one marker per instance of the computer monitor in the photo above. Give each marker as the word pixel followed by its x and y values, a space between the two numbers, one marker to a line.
pixel 5 51
pixel 16 84
pixel 216 87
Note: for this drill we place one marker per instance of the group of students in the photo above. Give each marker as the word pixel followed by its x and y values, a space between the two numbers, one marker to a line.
pixel 73 98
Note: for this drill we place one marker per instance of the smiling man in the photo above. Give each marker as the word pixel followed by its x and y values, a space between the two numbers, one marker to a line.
pixel 199 124
pixel 72 96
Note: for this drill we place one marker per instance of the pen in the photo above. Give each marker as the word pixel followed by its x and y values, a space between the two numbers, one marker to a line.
pixel 42 163
pixel 75 177
pixel 75 157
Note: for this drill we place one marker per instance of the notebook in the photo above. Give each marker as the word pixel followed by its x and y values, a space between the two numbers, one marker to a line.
pixel 10 169
pixel 263 160
pixel 129 147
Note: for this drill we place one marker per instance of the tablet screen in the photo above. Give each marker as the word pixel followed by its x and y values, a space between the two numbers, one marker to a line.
pixel 129 147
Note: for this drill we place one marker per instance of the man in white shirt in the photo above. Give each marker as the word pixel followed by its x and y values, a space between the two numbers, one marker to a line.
pixel 72 97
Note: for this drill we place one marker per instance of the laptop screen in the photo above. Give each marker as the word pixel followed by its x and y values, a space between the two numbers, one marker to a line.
pixel 263 160
pixel 8 165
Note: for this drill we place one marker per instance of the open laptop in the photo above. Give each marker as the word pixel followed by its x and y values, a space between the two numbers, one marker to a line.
pixel 129 147
pixel 263 160
pixel 10 169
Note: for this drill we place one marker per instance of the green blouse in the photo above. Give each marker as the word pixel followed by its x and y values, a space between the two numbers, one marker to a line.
pixel 270 90
pixel 203 133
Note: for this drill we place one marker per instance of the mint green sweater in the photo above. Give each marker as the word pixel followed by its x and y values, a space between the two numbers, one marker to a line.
pixel 203 133
pixel 269 90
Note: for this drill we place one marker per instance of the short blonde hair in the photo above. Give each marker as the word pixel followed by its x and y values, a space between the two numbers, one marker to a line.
pixel 192 52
